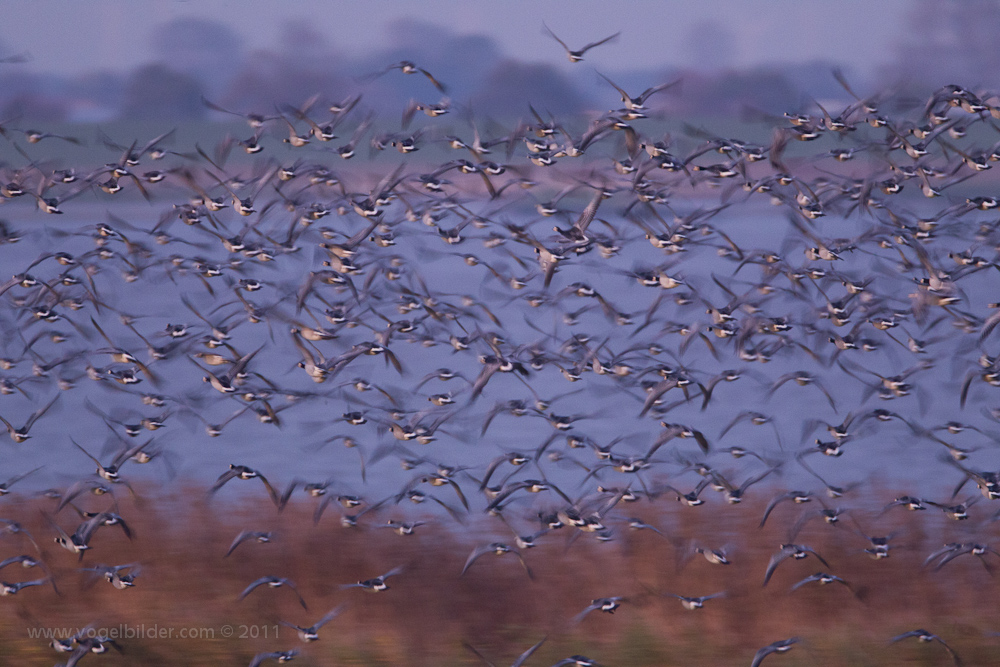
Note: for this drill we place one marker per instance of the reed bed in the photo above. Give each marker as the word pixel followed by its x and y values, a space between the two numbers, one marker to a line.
pixel 429 611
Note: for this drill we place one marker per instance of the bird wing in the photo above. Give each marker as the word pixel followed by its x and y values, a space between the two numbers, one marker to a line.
pixel 954 553
pixel 461 495
pixel 589 212
pixel 624 95
pixel 553 35
pixel 770 507
pixel 655 89
pixel 223 478
pixel 821 559
pixel 598 43
pixel 761 654
pixel 330 615
pixel 89 455
pixel 527 654
pixel 474 556
pixel 809 579
pixel 524 563
pixel 259 582
pixel 702 441
pixel 951 652
pixel 776 560
pixel 240 539
pixel 484 377
pixel 261 657
pixel 38 413
pixel 270 490
pixel 241 364
pixel 291 584
pixel 579 617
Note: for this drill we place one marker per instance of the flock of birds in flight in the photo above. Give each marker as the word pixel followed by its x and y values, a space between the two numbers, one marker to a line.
pixel 458 256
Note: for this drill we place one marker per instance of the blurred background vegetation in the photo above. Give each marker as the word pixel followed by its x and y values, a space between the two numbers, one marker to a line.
pixel 937 42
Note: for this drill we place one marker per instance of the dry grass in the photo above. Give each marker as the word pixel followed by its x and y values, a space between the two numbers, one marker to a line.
pixel 429 610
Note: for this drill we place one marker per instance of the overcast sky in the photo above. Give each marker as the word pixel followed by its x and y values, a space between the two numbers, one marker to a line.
pixel 66 37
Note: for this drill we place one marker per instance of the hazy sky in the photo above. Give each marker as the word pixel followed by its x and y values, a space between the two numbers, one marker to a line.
pixel 65 36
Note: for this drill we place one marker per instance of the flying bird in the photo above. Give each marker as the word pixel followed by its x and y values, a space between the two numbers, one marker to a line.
pixel 577 56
